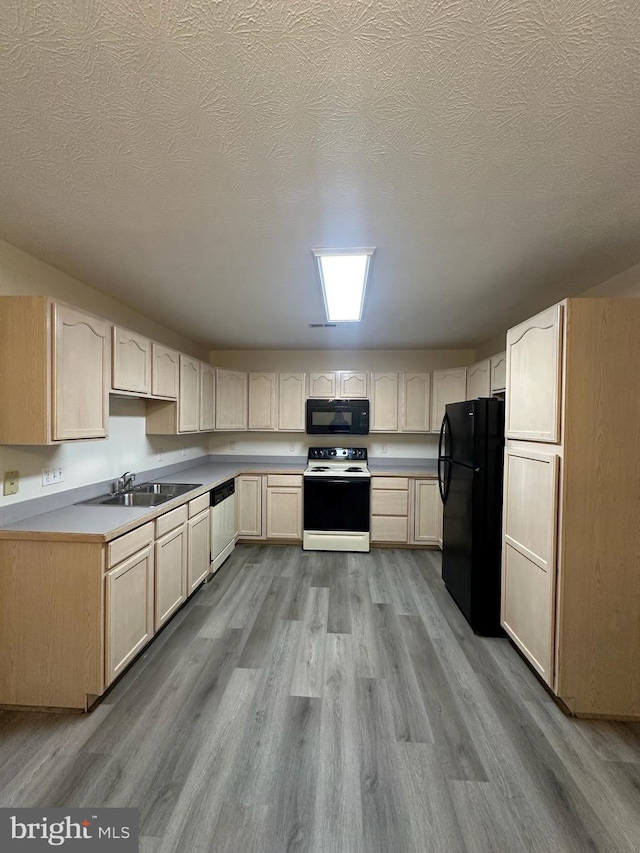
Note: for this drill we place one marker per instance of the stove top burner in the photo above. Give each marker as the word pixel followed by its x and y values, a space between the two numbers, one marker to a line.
pixel 354 469
pixel 322 468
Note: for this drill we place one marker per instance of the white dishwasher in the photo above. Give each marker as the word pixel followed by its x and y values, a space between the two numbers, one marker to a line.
pixel 223 523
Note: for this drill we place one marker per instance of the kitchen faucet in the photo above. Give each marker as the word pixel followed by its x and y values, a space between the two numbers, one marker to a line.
pixel 125 482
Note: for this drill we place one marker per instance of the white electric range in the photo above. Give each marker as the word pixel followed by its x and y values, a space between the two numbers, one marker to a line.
pixel 337 500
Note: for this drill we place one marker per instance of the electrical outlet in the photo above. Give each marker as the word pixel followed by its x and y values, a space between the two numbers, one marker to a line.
pixel 184 450
pixel 11 482
pixel 292 447
pixel 52 475
pixel 383 448
pixel 160 454
pixel 232 445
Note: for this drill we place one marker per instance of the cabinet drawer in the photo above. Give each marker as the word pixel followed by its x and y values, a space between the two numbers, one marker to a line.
pixel 386 528
pixel 125 546
pixel 170 520
pixel 198 504
pixel 292 480
pixel 389 502
pixel 389 483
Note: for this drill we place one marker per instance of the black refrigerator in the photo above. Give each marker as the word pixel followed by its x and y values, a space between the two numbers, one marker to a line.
pixel 470 461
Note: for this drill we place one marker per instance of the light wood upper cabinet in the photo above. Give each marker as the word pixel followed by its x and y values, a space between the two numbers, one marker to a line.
pixel 498 372
pixel 529 554
pixel 189 402
pixel 81 366
pixel 534 353
pixel 384 402
pixel 129 602
pixel 262 401
pixel 207 396
pixel 231 399
pixel 165 372
pixel 131 368
pixel 448 386
pixel 322 385
pixel 479 380
pixel 353 386
pixel 291 402
pixel 415 402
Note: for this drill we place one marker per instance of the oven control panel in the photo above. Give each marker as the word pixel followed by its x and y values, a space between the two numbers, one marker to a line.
pixel 338 453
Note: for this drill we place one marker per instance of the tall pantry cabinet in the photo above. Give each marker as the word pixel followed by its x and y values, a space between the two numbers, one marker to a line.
pixel 571 551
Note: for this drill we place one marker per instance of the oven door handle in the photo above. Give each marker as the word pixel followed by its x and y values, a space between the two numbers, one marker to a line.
pixel 333 481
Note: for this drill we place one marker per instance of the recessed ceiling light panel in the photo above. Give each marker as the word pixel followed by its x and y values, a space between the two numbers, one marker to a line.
pixel 343 275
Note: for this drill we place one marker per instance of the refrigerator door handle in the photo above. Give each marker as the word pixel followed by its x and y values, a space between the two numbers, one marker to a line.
pixel 444 489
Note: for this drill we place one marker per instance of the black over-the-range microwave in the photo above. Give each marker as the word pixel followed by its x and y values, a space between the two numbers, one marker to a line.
pixel 338 417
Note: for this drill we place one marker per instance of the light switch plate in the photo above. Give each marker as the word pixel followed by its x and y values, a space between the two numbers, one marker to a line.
pixel 11 482
pixel 52 475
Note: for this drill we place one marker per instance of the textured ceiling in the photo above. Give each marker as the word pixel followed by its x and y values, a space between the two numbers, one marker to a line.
pixel 185 156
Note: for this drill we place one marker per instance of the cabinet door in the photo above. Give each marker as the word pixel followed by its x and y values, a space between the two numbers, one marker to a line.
pixel 207 396
pixel 231 399
pixel 449 386
pixel 479 380
pixel 291 402
pixel 415 407
pixel 198 549
pixel 384 402
pixel 498 372
pixel 165 372
pixel 284 513
pixel 534 351
pixel 262 401
pixel 131 370
pixel 389 509
pixel 322 385
pixel 427 520
pixel 529 555
pixel 189 401
pixel 171 573
pixel 353 386
pixel 128 610
pixel 81 368
pixel 249 500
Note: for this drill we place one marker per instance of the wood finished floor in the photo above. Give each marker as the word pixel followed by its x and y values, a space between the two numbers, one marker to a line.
pixel 335 703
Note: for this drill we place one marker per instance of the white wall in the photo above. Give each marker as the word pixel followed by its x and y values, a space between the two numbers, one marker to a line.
pixel 127 448
pixel 87 462
pixel 415 446
pixel 625 284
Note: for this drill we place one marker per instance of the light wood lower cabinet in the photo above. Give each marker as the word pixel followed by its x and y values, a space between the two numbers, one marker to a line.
pixel 129 600
pixel 390 509
pixel 427 513
pixel 284 507
pixel 529 554
pixel 249 490
pixel 171 574
pixel 198 549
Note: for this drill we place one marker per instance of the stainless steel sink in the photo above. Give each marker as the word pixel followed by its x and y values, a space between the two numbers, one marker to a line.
pixel 170 489
pixel 147 494
pixel 129 499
